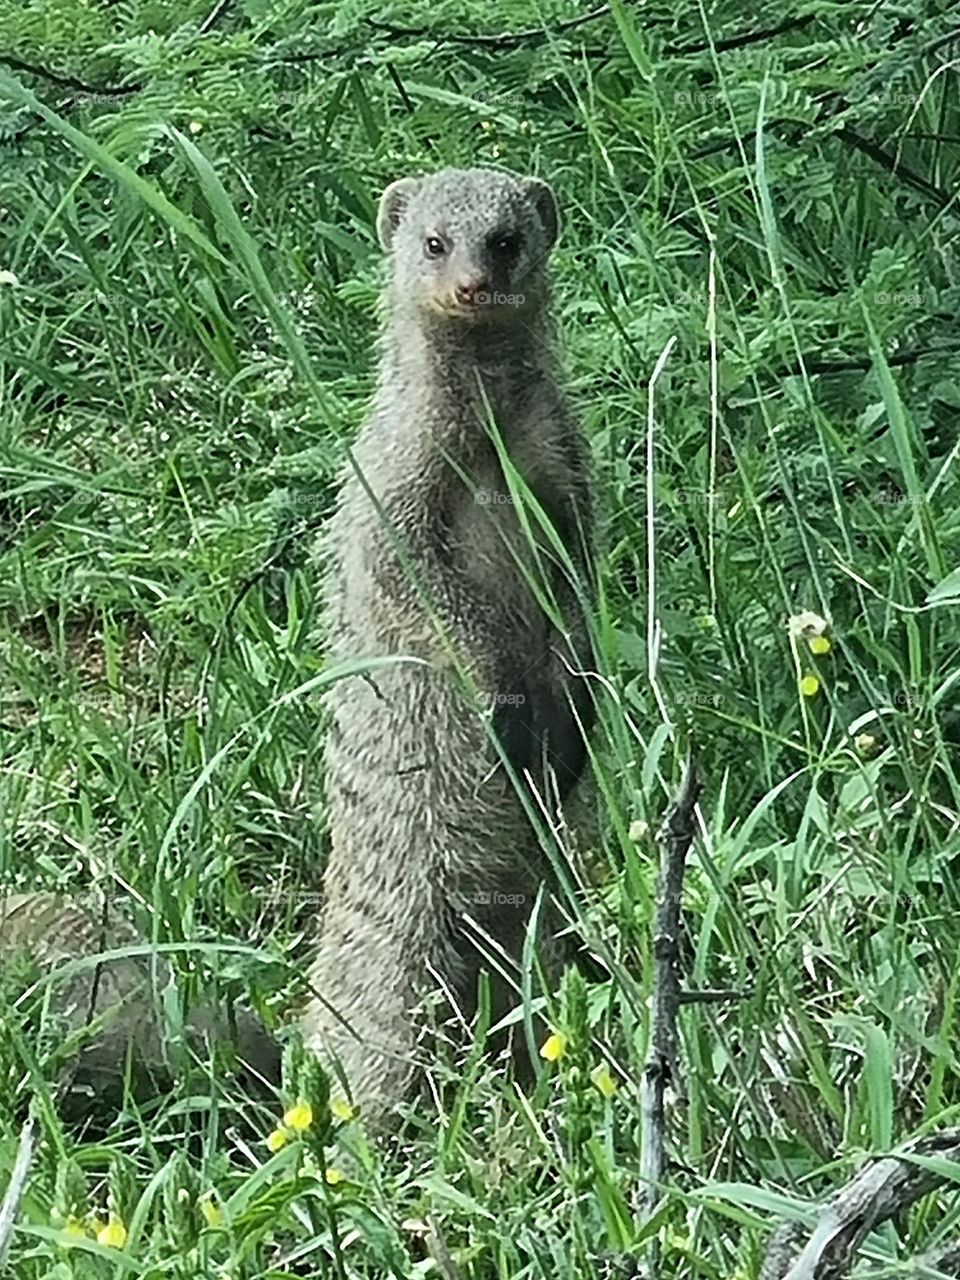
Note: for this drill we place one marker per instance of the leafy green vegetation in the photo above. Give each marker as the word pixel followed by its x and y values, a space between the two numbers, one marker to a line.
pixel 757 290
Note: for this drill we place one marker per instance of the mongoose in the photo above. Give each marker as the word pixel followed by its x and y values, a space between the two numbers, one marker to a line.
pixel 107 1012
pixel 428 560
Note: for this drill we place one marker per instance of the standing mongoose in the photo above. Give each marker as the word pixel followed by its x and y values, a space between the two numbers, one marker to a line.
pixel 111 1028
pixel 475 583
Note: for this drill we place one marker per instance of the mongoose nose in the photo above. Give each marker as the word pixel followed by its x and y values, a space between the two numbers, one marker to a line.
pixel 471 292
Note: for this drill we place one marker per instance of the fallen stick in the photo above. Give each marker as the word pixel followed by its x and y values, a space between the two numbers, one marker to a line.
pixel 942 1261
pixel 881 1190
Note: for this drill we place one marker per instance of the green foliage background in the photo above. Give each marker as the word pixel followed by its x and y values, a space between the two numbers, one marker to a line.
pixel 767 200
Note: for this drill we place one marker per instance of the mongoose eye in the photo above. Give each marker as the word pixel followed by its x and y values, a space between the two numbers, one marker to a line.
pixel 435 247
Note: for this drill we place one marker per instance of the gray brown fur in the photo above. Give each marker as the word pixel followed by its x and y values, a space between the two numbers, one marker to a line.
pixel 426 825
pixel 107 1011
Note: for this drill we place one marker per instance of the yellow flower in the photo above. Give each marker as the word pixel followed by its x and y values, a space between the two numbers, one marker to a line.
pixel 277 1140
pixel 553 1048
pixel 113 1235
pixel 809 686
pixel 865 743
pixel 820 645
pixel 208 1206
pixel 298 1117
pixel 195 126
pixel 603 1080
pixel 72 1229
pixel 342 1109
pixel 334 1176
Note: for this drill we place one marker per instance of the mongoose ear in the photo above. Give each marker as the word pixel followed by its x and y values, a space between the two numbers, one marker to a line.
pixel 545 202
pixel 393 202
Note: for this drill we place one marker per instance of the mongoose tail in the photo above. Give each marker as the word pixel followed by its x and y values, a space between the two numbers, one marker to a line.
pixel 110 1008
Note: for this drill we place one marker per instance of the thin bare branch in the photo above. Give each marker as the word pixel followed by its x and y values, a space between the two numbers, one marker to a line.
pixel 489 40
pixel 10 1207
pixel 65 81
pixel 673 839
pixel 742 39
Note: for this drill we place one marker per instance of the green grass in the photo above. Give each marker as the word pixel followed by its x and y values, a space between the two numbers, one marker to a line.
pixel 187 348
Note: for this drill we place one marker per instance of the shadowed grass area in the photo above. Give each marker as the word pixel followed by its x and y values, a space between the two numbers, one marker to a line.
pixel 757 291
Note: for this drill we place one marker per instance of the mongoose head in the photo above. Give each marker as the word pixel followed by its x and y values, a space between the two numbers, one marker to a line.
pixel 468 244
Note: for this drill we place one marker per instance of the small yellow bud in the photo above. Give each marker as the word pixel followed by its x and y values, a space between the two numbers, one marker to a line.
pixel 342 1109
pixel 277 1140
pixel 820 645
pixel 113 1235
pixel 553 1048
pixel 334 1176
pixel 298 1117
pixel 195 126
pixel 638 830
pixel 603 1080
pixel 865 743
pixel 208 1206
pixel 73 1229
pixel 809 686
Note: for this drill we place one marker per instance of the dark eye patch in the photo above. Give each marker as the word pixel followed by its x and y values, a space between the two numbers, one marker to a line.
pixel 505 243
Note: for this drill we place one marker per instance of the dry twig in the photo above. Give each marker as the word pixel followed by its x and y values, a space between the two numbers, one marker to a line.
pixel 881 1190
pixel 673 840
pixel 16 1186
